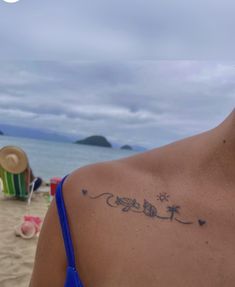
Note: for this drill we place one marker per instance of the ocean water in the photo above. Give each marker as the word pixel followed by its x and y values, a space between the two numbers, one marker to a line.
pixel 55 159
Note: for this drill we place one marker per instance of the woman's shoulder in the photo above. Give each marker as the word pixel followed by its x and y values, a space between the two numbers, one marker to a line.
pixel 100 175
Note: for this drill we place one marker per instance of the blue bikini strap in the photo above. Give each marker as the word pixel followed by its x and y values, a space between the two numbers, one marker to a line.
pixel 65 225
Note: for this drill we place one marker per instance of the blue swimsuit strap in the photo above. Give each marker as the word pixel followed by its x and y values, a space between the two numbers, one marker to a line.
pixel 65 225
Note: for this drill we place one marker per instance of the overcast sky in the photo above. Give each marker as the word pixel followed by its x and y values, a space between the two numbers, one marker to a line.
pixel 131 70
pixel 123 29
pixel 148 103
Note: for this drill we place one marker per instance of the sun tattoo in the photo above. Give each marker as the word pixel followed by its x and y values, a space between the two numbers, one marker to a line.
pixel 163 196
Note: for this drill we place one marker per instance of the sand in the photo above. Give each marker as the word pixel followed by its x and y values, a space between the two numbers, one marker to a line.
pixel 17 254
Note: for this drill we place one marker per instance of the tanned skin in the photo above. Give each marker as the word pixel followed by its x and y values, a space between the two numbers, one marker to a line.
pixel 164 218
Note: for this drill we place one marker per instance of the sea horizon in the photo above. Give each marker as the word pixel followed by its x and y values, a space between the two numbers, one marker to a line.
pixel 56 159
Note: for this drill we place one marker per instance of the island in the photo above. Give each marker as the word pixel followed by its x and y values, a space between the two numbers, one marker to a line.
pixel 127 147
pixel 1 133
pixel 95 140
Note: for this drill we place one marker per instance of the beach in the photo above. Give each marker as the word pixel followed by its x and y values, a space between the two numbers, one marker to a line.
pixel 17 254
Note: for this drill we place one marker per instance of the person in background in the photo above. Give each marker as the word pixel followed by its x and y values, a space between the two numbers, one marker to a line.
pixel 38 180
pixel 163 218
pixel 13 162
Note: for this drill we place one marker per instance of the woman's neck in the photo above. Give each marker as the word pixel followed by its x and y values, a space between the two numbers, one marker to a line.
pixel 211 152
pixel 221 146
pixel 225 133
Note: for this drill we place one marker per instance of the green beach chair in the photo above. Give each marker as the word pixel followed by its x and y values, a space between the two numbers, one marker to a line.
pixel 15 173
pixel 14 185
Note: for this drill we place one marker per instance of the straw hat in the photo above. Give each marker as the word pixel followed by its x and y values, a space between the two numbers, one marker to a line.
pixel 13 159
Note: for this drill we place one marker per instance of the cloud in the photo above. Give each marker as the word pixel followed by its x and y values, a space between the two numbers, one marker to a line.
pixel 121 30
pixel 144 102
pixel 116 67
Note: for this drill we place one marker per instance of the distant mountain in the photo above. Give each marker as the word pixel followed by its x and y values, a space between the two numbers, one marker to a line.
pixel 128 147
pixel 41 134
pixel 134 147
pixel 138 148
pixel 17 131
pixel 95 140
